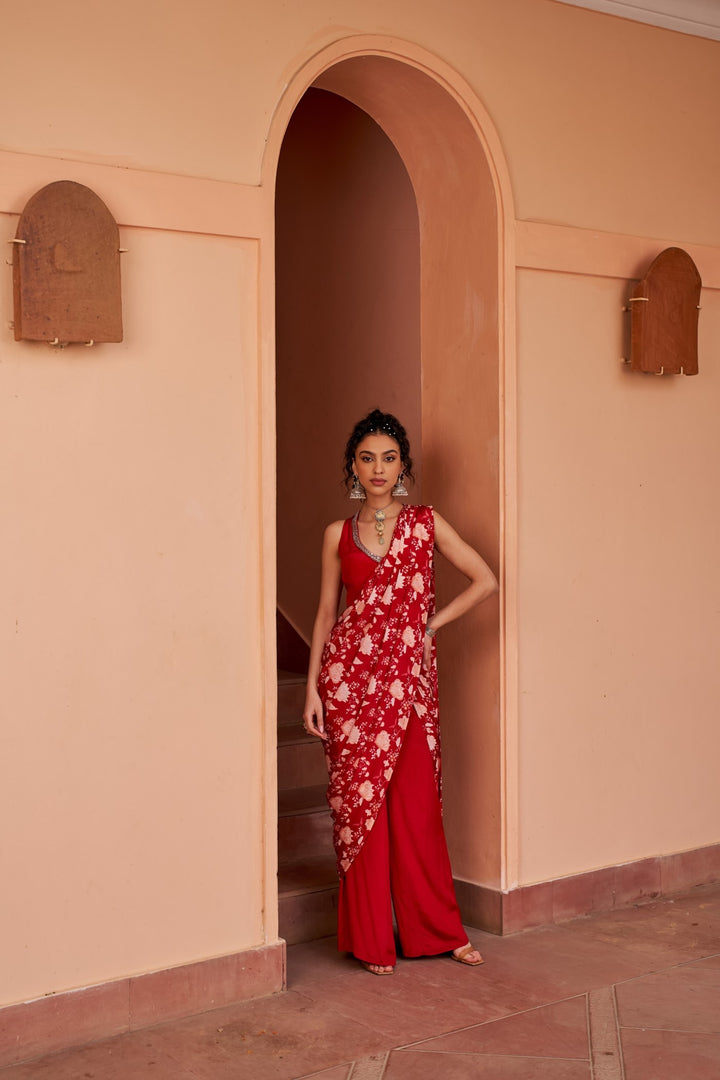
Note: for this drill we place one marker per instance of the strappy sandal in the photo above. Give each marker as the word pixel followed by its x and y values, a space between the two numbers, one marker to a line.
pixel 463 953
pixel 369 967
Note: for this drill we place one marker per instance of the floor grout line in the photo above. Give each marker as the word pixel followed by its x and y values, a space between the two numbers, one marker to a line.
pixel 675 1031
pixel 588 1035
pixel 605 1052
pixel 493 1053
pixel 618 1036
pixel 671 967
pixel 493 1020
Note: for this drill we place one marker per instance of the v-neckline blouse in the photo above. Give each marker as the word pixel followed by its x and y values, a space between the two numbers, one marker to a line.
pixel 358 541
pixel 357 562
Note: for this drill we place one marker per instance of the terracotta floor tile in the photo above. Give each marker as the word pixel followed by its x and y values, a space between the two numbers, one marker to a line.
pixel 663 956
pixel 666 932
pixel 558 1031
pixel 557 963
pixel 409 1065
pixel 276 1039
pixel 685 998
pixel 126 1057
pixel 670 1055
pixel 396 1008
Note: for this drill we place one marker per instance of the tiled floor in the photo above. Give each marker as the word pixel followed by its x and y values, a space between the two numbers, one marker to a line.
pixel 631 995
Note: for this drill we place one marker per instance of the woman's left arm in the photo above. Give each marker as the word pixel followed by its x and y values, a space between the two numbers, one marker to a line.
pixel 466 559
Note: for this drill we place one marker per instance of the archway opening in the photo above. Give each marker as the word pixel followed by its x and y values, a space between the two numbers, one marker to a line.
pixel 442 379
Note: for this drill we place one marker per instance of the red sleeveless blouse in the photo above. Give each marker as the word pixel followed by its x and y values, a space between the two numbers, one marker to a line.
pixel 356 563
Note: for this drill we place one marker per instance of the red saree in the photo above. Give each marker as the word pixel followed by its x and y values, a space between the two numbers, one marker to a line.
pixel 372 676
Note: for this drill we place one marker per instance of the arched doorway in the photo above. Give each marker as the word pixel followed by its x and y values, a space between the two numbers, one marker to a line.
pixel 347 273
pixel 461 237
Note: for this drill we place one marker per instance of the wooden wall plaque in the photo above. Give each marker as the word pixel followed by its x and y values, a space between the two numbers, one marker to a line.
pixel 66 268
pixel 664 316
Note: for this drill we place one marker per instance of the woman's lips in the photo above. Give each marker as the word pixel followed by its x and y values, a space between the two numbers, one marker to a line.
pixel 378 483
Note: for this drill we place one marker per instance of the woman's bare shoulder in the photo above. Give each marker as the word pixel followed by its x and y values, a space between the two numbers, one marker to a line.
pixel 443 528
pixel 333 531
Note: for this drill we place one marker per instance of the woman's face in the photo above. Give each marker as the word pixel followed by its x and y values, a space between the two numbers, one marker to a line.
pixel 378 463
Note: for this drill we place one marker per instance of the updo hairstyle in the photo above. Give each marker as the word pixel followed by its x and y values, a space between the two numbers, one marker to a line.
pixel 378 423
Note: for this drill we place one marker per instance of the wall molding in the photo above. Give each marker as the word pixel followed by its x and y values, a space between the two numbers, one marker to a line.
pixel 142 199
pixel 58 1021
pixel 566 898
pixel 700 18
pixel 569 250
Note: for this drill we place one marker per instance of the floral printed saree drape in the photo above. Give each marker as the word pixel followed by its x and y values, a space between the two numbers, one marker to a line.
pixel 372 676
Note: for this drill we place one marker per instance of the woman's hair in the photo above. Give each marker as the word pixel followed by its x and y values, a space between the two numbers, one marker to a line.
pixel 378 423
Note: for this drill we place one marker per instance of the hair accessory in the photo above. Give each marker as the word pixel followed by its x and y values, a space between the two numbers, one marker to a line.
pixel 399 488
pixel 357 491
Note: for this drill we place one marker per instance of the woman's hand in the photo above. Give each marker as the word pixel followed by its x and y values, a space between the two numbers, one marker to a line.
pixel 313 719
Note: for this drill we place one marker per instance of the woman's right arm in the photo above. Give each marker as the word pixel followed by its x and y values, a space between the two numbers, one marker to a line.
pixel 330 584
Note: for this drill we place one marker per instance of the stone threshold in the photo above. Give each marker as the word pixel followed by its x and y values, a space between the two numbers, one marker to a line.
pixel 59 1021
pixel 596 891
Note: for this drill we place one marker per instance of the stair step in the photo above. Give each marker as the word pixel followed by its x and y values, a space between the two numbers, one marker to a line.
pixel 307 874
pixel 311 875
pixel 291 700
pixel 302 800
pixel 301 763
pixel 309 915
pixel 305 836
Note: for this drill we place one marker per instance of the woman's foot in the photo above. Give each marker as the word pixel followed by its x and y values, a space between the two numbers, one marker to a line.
pixel 377 969
pixel 468 954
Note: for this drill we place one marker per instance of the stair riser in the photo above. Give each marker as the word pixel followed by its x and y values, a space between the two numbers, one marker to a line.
pixel 308 917
pixel 304 836
pixel 291 701
pixel 301 765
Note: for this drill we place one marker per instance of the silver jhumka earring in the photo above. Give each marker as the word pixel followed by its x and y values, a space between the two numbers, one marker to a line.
pixel 399 488
pixel 357 491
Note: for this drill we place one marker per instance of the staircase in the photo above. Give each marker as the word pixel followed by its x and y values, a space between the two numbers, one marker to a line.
pixel 307 877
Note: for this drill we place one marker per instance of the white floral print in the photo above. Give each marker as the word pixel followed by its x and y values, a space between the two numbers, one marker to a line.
pixel 372 677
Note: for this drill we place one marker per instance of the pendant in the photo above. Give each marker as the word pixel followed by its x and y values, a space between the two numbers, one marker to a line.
pixel 380 525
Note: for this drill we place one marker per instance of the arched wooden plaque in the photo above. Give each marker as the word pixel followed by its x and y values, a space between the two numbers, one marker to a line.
pixel 66 268
pixel 664 320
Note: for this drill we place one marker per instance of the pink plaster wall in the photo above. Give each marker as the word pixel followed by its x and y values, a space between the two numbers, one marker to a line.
pixel 138 482
pixel 620 528
pixel 131 777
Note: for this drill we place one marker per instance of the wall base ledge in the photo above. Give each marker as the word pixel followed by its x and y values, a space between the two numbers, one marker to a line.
pixel 58 1021
pixel 586 894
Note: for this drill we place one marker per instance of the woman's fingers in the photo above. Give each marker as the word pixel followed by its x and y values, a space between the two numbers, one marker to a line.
pixel 313 721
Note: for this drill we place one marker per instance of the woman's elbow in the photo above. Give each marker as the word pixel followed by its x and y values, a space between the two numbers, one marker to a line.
pixel 488 585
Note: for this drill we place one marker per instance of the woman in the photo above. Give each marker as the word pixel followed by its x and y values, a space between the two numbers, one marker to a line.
pixel 372 699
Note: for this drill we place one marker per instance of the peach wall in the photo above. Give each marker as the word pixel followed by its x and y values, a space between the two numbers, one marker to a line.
pixel 568 94
pixel 132 759
pixel 619 585
pixel 138 480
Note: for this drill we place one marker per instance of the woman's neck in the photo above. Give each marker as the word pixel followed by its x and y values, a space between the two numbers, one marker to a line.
pixel 375 502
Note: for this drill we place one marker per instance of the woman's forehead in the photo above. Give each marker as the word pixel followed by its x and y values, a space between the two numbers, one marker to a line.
pixel 377 443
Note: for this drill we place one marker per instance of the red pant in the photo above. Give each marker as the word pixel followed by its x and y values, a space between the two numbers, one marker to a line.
pixel 404 862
